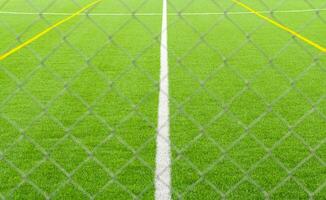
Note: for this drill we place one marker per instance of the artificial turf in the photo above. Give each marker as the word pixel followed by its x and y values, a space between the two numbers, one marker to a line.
pixel 248 102
pixel 78 107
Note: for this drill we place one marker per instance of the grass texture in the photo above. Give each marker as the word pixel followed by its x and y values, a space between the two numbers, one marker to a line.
pixel 78 107
pixel 248 103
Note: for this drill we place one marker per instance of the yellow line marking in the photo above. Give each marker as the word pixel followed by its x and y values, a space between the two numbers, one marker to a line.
pixel 37 36
pixel 323 49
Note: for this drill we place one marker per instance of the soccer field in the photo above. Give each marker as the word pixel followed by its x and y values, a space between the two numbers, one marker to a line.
pixel 79 105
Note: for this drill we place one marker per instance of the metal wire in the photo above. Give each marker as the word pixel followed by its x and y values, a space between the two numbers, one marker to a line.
pixel 18 132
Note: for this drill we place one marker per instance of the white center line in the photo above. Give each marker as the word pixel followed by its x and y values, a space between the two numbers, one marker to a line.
pixel 163 160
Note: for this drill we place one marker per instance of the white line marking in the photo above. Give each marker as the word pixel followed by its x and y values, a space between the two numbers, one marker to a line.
pixel 159 14
pixel 163 160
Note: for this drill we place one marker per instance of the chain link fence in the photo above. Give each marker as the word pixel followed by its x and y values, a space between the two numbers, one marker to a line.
pixel 78 106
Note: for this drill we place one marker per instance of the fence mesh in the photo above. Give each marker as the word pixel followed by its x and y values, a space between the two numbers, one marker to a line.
pixel 78 106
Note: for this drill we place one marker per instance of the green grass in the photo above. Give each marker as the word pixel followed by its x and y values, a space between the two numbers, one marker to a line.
pixel 77 130
pixel 78 107
pixel 243 94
